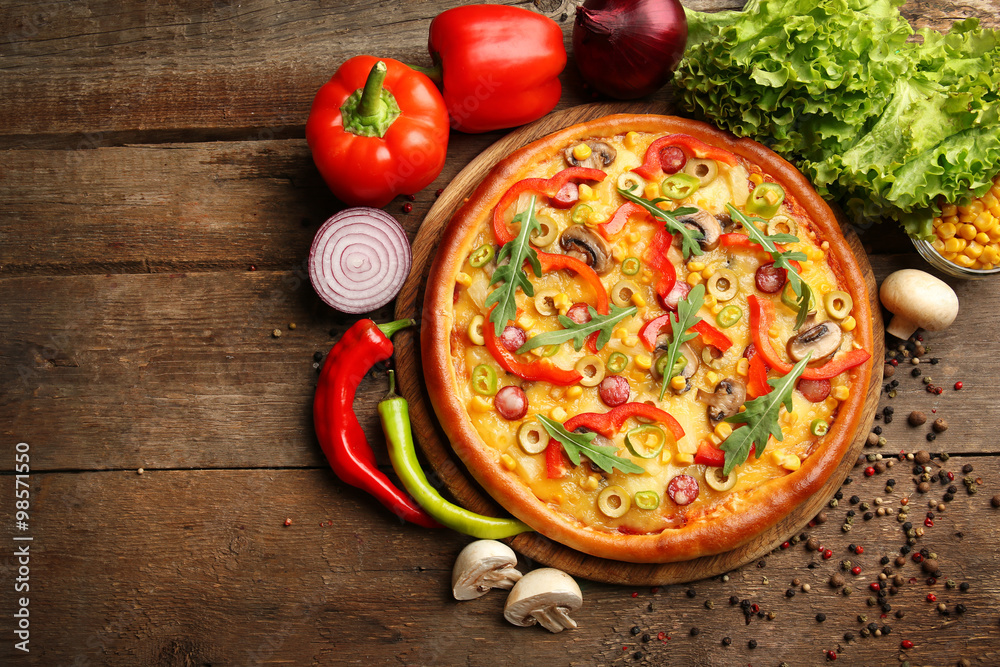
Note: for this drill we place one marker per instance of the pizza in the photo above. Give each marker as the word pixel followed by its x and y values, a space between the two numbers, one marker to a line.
pixel 646 339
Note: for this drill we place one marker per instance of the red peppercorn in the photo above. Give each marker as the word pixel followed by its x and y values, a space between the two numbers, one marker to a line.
pixel 894 362
pixel 831 655
pixel 939 390
pixel 785 545
pixel 407 207
pixel 931 581
pixel 874 586
pixel 828 554
pixel 661 636
pixel 918 558
pixel 439 192
pixel 654 590
pixel 411 197
pixel 931 597
pixel 958 385
pixel 869 471
pixel 856 570
pixel 288 522
pixel 951 476
pixel 253 267
pixel 906 643
pixel 929 523
pixel 859 550
pixel 635 594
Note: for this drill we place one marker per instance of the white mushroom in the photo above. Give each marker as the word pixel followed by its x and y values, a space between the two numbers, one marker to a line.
pixel 918 300
pixel 482 565
pixel 546 596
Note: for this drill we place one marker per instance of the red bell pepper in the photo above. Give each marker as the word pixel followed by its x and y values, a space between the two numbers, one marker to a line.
pixel 620 218
pixel 554 262
pixel 651 169
pixel 544 186
pixel 761 317
pixel 757 377
pixel 607 424
pixel 377 129
pixel 656 257
pixel 498 65
pixel 710 455
pixel 543 369
pixel 709 334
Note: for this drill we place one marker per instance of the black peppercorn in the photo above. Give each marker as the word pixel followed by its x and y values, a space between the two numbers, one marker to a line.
pixel 967 468
pixel 790 593
pixel 948 497
pixel 872 627
pixel 877 430
pixel 952 489
pixel 931 437
pixel 869 516
pixel 726 641
pixel 884 560
pixel 646 637
pixel 855 500
pixel 851 513
pixel 964 586
pixel 695 632
pixel 905 549
pixel 752 643
pixel 960 608
pixel 886 629
pixel 635 630
pixel 734 600
pixel 820 617
pixel 690 593
pixel 915 372
pixel 839 495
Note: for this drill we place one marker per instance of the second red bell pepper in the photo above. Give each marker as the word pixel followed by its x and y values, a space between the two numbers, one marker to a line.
pixel 498 65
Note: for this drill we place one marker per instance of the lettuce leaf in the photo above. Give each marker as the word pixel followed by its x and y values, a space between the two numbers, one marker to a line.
pixel 885 120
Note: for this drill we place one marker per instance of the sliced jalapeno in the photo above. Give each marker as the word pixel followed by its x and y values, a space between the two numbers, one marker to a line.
pixel 631 266
pixel 680 186
pixel 550 350
pixel 645 441
pixel 581 213
pixel 481 255
pixel 647 500
pixel 614 501
pixel 765 200
pixel 679 364
pixel 617 362
pixel 838 304
pixel 819 427
pixel 484 380
pixel 729 316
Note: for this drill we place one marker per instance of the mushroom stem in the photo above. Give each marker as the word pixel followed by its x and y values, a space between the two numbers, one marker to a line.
pixel 901 327
pixel 554 619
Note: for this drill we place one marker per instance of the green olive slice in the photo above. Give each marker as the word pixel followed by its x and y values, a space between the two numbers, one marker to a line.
pixel 631 182
pixel 723 284
pixel 532 437
pixel 705 171
pixel 547 232
pixel 715 479
pixel 592 369
pixel 621 293
pixel 614 501
pixel 544 302
pixel 838 304
pixel 782 224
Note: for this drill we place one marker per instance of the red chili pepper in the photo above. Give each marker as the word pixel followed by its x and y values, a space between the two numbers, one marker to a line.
pixel 709 334
pixel 620 218
pixel 544 186
pixel 543 369
pixel 651 169
pixel 498 65
pixel 761 316
pixel 337 428
pixel 607 424
pixel 388 140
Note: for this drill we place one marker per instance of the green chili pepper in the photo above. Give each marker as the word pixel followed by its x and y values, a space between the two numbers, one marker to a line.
pixel 647 500
pixel 638 440
pixel 616 362
pixel 680 186
pixel 819 427
pixel 484 380
pixel 679 365
pixel 631 266
pixel 765 200
pixel 394 414
pixel 729 316
pixel 550 350
pixel 581 213
pixel 481 255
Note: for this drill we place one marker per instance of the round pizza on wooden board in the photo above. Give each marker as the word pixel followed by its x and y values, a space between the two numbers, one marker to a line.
pixel 563 408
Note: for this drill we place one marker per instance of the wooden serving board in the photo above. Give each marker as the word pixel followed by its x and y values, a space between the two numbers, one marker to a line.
pixel 449 469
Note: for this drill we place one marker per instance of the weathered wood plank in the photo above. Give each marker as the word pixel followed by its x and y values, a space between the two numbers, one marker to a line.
pixel 93 69
pixel 181 370
pixel 197 567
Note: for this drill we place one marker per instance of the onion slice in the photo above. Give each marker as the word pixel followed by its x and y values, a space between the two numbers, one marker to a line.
pixel 359 260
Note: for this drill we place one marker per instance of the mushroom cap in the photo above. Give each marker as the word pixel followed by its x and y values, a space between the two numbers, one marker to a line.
pixel 481 566
pixel 580 242
pixel 918 300
pixel 544 596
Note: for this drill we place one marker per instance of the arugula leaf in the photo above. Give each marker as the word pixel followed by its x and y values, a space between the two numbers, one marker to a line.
pixel 687 317
pixel 579 332
pixel 574 444
pixel 781 259
pixel 761 419
pixel 512 274
pixel 689 237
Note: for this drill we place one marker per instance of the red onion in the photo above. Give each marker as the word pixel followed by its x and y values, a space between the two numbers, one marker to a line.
pixel 359 260
pixel 629 48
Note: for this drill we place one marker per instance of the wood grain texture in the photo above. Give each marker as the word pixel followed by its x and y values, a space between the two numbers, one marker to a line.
pixel 197 567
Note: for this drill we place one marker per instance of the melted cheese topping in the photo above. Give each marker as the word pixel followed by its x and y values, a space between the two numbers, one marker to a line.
pixel 576 494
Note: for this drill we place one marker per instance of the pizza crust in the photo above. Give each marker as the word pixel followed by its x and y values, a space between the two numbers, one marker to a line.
pixel 743 516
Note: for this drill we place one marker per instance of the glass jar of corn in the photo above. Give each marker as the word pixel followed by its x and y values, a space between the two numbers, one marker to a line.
pixel 967 236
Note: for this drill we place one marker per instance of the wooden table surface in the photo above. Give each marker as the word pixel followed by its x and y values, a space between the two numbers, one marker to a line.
pixel 157 202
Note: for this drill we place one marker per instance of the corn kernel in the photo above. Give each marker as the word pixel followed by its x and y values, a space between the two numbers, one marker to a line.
pixel 841 392
pixel 743 367
pixel 463 279
pixel 712 377
pixel 652 190
pixel 984 221
pixel 586 193
pixel 964 260
pixel 715 440
pixel 590 484
pixel 631 140
pixel 666 455
pixel 558 414
pixel 621 333
pixel 643 361
pixel 618 254
pixel 710 300
pixel 756 179
pixel 693 279
pixel 559 499
pixel 723 430
pixel 481 404
pixel 937 244
pixel 790 418
pixel 638 300
pixel 954 245
pixel 982 238
pixel 581 151
pixel 526 321
pixel 576 391
pixel 949 209
pixel 777 457
pixel 562 302
pixel 974 249
pixel 684 458
pixel 634 237
pixel 717 308
pixel 678 382
pixel 791 463
pixel 508 461
pixel 849 323
pixel 967 231
pixel 696 266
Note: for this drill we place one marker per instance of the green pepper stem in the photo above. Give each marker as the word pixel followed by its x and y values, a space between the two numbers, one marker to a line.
pixel 435 74
pixel 371 106
pixel 389 328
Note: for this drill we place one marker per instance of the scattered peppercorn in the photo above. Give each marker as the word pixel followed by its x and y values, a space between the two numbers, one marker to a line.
pixel 964 586
pixel 635 630
pixel 726 641
pixel 407 207
pixel 752 643
pixel 690 593
pixel 939 425
pixel 995 501
pixel 820 617
pixel 695 632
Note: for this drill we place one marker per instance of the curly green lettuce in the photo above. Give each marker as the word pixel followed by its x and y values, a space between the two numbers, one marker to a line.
pixel 880 118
